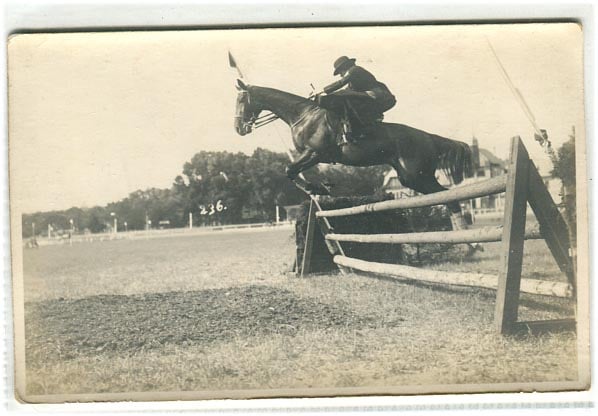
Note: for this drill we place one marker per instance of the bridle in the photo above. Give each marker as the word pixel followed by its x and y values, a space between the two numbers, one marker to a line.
pixel 254 122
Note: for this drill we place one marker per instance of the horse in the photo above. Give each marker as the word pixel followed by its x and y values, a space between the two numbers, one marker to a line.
pixel 414 154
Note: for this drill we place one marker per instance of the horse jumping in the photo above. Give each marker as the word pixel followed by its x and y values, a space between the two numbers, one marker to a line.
pixel 414 154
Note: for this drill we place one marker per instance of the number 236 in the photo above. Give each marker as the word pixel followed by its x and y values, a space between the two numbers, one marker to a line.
pixel 211 209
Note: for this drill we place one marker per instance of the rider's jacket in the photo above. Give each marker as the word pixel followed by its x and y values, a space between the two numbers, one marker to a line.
pixel 359 79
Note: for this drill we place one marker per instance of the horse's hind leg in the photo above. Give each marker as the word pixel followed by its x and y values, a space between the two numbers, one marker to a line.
pixel 425 182
pixel 429 185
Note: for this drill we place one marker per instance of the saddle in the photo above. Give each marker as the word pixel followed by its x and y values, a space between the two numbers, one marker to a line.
pixel 356 111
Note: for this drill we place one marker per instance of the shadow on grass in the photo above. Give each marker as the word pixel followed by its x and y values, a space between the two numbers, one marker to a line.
pixel 434 254
pixel 563 306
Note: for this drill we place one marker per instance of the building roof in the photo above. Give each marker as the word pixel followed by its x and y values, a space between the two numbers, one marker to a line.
pixel 492 158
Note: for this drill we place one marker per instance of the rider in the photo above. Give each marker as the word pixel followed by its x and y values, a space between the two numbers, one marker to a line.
pixel 368 97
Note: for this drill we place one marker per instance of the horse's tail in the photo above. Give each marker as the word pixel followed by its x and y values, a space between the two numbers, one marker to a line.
pixel 455 159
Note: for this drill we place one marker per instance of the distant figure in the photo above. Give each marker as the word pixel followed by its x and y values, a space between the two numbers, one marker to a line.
pixel 32 243
pixel 364 99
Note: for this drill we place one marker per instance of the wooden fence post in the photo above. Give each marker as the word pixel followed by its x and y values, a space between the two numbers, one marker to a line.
pixel 509 278
pixel 552 225
pixel 309 240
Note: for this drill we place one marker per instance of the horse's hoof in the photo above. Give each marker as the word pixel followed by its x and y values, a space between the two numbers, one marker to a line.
pixel 318 189
pixel 328 186
pixel 473 248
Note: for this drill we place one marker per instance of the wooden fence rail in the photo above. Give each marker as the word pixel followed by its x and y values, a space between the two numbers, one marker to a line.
pixel 479 235
pixel 474 190
pixel 489 281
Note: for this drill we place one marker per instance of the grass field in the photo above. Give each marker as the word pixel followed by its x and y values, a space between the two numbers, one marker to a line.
pixel 220 311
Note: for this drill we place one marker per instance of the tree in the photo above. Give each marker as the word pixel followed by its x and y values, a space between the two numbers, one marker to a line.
pixel 211 178
pixel 351 181
pixel 218 188
pixel 97 220
pixel 564 165
pixel 269 184
pixel 564 169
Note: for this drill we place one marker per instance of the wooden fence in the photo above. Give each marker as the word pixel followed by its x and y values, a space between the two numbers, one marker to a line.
pixel 521 185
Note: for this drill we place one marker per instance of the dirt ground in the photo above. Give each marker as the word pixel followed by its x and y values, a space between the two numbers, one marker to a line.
pixel 130 324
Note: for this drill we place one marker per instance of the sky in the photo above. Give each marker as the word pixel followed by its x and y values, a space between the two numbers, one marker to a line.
pixel 96 116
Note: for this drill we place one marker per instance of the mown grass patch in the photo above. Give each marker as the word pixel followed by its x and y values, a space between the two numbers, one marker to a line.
pixel 317 359
pixel 219 312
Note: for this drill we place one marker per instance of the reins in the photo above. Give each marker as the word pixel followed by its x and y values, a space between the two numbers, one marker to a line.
pixel 263 120
pixel 268 118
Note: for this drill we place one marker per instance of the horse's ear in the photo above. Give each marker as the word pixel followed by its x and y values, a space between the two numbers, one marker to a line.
pixel 241 85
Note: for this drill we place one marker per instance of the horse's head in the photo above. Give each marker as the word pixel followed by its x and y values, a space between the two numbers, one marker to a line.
pixel 246 112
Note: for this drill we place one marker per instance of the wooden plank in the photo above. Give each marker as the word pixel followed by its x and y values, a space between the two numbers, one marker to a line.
pixel 459 193
pixel 488 281
pixel 309 240
pixel 509 281
pixel 334 247
pixel 478 235
pixel 538 327
pixel 552 224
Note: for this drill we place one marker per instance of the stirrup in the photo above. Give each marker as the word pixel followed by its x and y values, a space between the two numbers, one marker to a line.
pixel 348 138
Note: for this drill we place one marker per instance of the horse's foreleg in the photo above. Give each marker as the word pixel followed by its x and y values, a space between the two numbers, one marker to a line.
pixel 457 219
pixel 305 161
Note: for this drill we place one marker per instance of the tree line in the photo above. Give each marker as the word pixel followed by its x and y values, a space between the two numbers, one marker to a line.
pixel 216 188
pixel 234 188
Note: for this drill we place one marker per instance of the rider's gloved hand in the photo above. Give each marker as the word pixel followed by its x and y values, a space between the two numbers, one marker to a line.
pixel 315 96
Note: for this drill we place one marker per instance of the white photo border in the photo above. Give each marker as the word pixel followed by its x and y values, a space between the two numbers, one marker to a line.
pixel 56 15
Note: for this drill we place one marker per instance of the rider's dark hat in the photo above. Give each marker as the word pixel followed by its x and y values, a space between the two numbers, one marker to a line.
pixel 341 63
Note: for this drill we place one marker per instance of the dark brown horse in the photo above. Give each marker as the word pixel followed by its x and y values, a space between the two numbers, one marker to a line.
pixel 413 153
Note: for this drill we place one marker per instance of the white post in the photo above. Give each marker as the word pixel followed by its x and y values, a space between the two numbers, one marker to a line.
pixel 72 231
pixel 190 220
pixel 112 214
pixel 49 231
pixel 277 214
pixel 33 229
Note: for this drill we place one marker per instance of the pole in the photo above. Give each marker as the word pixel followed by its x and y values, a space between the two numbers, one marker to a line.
pixel 540 135
pixel 515 91
pixel 115 225
pixel 33 229
pixel 190 220
pixel 277 214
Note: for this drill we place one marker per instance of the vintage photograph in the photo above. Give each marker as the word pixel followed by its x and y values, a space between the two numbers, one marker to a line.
pixel 298 212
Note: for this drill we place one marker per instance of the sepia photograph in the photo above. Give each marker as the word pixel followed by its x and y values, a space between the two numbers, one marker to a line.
pixel 298 212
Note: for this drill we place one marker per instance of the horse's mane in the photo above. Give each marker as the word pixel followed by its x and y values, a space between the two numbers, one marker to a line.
pixel 296 99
